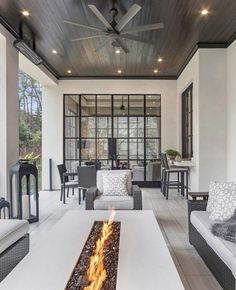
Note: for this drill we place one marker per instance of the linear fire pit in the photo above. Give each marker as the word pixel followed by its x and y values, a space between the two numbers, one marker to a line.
pixel 79 278
pixel 144 259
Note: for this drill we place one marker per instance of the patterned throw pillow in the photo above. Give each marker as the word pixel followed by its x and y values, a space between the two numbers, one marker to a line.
pixel 115 184
pixel 216 188
pixel 224 204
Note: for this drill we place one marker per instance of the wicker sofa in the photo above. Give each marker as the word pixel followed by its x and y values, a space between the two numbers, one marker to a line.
pixel 96 200
pixel 219 255
pixel 14 244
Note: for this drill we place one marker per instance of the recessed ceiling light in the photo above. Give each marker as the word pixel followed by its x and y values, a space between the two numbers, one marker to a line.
pixel 25 13
pixel 155 71
pixel 119 71
pixel 160 59
pixel 54 51
pixel 118 51
pixel 204 12
pixel 69 71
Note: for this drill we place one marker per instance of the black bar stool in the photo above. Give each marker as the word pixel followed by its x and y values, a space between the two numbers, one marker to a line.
pixel 182 175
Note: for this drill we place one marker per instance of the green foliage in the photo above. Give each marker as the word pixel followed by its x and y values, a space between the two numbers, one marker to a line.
pixel 30 131
pixel 31 157
pixel 172 153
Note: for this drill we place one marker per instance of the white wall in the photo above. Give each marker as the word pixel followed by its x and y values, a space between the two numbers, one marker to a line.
pixel 207 72
pixel 188 76
pixel 212 116
pixel 231 112
pixel 53 112
pixel 9 121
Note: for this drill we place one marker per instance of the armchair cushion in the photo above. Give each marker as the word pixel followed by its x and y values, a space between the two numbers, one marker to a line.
pixel 104 202
pixel 11 231
pixel 100 178
pixel 115 184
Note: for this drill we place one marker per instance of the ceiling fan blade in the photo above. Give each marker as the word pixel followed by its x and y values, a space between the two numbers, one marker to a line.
pixel 141 28
pixel 87 37
pixel 128 16
pixel 100 17
pixel 104 42
pixel 136 38
pixel 122 45
pixel 82 25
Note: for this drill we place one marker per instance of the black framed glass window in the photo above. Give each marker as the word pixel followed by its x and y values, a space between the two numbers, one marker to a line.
pixel 187 123
pixel 121 131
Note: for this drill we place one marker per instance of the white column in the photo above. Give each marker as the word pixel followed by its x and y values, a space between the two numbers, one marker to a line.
pixel 52 134
pixel 9 120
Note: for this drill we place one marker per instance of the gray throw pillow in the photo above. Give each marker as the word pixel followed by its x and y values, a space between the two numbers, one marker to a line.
pixel 115 184
pixel 226 230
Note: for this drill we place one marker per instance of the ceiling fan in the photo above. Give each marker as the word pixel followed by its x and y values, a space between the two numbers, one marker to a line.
pixel 116 32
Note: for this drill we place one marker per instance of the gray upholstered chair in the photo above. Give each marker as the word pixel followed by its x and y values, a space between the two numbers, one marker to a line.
pixel 96 200
pixel 87 178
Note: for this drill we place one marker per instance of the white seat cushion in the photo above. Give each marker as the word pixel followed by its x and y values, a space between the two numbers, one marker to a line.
pixel 104 202
pixel 224 249
pixel 11 231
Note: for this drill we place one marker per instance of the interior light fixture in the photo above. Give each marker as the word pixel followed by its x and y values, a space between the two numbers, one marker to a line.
pixel 69 71
pixel 160 59
pixel 54 51
pixel 117 51
pixel 204 12
pixel 25 13
pixel 155 71
pixel 119 71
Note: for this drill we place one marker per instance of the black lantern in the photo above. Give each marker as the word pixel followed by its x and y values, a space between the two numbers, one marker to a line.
pixel 24 191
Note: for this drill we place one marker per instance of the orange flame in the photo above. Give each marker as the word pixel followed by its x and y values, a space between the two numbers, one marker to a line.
pixel 96 272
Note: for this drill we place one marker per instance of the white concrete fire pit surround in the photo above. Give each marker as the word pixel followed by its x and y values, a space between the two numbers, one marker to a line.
pixel 144 259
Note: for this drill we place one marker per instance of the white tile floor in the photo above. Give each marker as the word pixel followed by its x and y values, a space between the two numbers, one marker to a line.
pixel 172 217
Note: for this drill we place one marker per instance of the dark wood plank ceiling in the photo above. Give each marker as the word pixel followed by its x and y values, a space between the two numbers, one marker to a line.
pixel 184 28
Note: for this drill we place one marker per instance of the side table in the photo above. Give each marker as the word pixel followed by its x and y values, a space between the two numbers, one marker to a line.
pixel 201 195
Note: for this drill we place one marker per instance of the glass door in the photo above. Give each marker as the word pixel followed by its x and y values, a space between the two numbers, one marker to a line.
pixel 118 131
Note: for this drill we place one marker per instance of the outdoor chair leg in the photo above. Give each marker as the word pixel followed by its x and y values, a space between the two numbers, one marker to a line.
pixel 61 193
pixel 178 181
pixel 186 184
pixel 64 194
pixel 73 191
pixel 68 191
pixel 182 183
pixel 79 192
pixel 162 181
pixel 167 185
